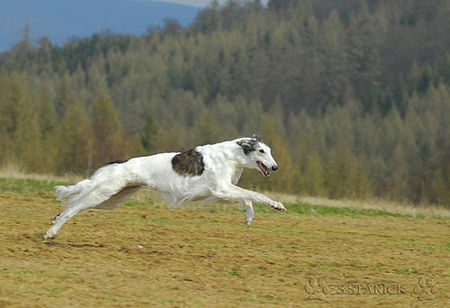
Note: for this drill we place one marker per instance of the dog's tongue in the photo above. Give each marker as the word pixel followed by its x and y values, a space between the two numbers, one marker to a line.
pixel 263 168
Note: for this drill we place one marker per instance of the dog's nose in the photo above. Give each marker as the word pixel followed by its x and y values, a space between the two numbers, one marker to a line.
pixel 274 167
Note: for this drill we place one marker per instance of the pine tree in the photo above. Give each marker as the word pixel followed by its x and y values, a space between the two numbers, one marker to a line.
pixel 44 57
pixel 283 178
pixel 27 136
pixel 314 177
pixel 341 173
pixel 398 181
pixel 48 124
pixel 110 140
pixel 8 120
pixel 76 142
pixel 148 134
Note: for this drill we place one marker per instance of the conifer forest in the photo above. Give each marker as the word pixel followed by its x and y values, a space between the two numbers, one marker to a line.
pixel 352 96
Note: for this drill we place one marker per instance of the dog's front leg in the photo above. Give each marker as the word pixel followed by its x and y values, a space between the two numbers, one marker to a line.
pixel 236 193
pixel 249 212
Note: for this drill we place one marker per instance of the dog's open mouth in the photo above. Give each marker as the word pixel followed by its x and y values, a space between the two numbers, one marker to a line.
pixel 263 168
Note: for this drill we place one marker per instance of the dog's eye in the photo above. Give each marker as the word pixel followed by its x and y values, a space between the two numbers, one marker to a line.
pixel 261 151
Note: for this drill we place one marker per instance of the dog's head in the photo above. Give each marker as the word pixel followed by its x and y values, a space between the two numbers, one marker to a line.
pixel 257 155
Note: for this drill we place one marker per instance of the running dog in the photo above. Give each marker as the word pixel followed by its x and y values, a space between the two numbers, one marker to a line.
pixel 207 173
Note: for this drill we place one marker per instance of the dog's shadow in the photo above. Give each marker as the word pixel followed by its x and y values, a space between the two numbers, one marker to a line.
pixel 52 242
pixel 87 245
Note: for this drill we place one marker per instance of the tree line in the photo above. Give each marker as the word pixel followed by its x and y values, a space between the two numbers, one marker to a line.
pixel 353 96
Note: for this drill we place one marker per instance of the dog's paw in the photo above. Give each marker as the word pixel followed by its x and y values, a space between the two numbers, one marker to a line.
pixel 278 206
pixel 49 235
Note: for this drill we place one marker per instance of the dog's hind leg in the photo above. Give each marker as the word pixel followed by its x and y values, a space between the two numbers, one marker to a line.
pixel 61 219
pixel 102 197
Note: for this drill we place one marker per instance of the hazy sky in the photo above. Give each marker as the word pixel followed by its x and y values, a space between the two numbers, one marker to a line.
pixel 199 3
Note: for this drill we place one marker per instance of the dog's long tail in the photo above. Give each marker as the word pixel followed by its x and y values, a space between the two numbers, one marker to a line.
pixel 107 188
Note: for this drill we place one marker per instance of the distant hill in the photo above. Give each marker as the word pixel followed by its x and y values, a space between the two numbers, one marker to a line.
pixel 60 20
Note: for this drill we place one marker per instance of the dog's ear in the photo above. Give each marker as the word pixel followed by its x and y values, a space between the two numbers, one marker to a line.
pixel 259 139
pixel 248 145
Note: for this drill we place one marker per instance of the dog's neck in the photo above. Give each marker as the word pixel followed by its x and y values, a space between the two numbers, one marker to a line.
pixel 232 152
pixel 227 155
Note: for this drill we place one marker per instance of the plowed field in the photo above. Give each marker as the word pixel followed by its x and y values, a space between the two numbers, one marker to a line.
pixel 145 254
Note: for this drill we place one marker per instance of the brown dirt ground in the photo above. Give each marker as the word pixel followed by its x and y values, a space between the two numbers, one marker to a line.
pixel 194 256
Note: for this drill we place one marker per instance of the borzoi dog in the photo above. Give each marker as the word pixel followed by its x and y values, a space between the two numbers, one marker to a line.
pixel 206 173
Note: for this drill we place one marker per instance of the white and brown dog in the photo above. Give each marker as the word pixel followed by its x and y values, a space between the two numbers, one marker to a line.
pixel 207 173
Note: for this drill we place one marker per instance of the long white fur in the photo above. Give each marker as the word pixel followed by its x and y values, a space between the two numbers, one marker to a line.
pixel 111 185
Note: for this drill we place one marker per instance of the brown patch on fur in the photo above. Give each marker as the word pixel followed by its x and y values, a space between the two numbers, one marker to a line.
pixel 188 163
